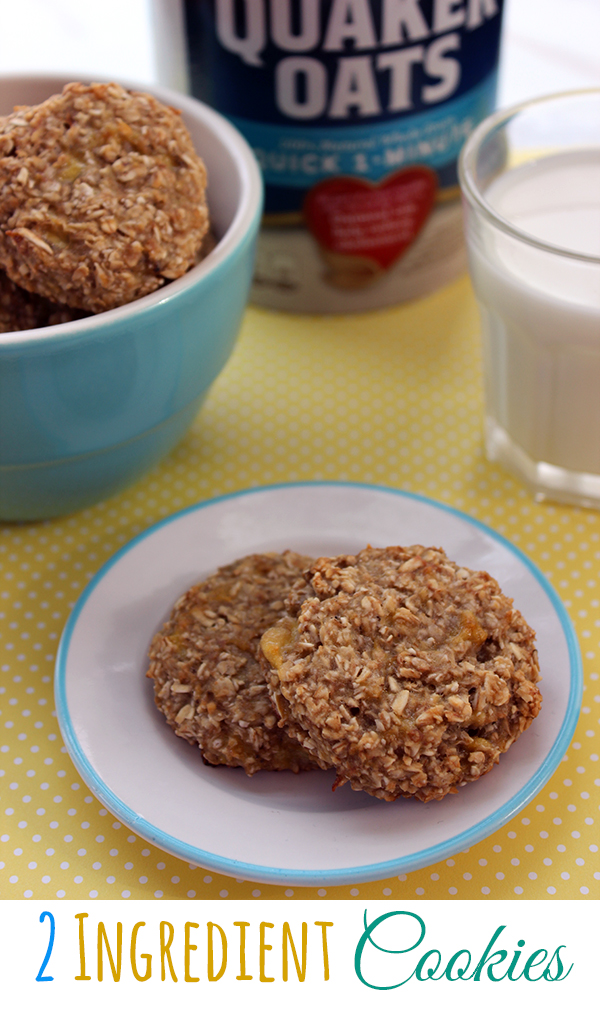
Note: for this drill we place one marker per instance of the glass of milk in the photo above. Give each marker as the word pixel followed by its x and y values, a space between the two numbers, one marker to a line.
pixel 530 179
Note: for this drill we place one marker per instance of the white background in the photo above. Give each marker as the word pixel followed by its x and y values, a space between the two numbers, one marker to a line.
pixel 343 999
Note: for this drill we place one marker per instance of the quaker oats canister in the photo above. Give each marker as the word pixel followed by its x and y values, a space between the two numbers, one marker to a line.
pixel 356 111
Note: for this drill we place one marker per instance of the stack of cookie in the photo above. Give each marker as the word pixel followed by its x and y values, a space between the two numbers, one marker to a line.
pixel 407 674
pixel 102 200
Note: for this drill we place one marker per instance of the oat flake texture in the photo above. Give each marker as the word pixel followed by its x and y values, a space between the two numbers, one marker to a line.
pixel 406 673
pixel 21 310
pixel 208 681
pixel 102 196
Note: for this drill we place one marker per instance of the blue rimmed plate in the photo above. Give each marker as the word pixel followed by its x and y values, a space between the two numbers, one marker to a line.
pixel 285 828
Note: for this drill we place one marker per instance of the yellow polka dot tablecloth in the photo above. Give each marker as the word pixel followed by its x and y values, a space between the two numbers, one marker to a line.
pixel 392 398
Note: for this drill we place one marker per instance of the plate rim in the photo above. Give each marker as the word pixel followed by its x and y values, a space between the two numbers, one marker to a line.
pixel 338 875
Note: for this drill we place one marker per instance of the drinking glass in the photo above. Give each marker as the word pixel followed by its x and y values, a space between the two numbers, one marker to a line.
pixel 530 180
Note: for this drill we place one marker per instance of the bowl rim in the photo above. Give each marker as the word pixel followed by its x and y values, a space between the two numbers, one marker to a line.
pixel 248 211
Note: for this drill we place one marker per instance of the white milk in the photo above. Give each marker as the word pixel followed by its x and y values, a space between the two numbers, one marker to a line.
pixel 541 322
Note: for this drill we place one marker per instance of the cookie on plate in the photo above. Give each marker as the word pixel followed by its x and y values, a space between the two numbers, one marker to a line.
pixel 102 196
pixel 406 673
pixel 208 681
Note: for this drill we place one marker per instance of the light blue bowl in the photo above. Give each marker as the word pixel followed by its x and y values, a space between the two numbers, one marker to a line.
pixel 89 406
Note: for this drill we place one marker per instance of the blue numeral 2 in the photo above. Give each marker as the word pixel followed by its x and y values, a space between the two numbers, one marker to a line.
pixel 40 976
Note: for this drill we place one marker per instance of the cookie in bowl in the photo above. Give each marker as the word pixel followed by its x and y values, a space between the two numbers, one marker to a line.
pixel 21 310
pixel 88 405
pixel 102 196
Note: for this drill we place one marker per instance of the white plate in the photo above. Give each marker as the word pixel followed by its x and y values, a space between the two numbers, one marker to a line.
pixel 280 827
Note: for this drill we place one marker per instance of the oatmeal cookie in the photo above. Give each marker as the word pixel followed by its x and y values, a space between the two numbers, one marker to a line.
pixel 208 681
pixel 102 196
pixel 21 310
pixel 406 673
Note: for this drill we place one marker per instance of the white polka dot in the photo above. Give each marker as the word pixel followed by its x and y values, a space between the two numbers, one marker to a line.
pixel 63 554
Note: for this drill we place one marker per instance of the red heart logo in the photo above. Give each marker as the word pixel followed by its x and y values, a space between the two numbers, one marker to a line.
pixel 378 221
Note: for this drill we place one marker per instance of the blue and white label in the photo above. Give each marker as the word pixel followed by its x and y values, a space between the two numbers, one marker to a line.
pixel 298 157
pixel 337 87
pixel 359 91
